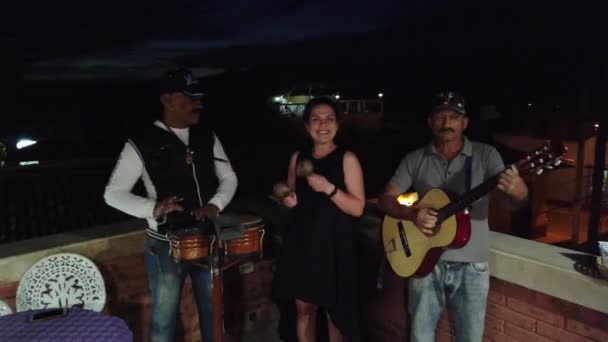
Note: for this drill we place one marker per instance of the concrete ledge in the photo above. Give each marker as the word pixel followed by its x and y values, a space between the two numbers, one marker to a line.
pixel 547 269
pixel 98 244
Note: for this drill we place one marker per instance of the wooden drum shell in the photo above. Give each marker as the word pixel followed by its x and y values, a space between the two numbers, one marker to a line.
pixel 248 244
pixel 190 247
pixel 251 241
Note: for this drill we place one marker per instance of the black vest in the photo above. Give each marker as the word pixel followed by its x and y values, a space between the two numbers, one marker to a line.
pixel 164 158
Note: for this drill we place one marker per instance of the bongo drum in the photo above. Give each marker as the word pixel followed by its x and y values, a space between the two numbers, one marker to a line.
pixel 190 244
pixel 251 241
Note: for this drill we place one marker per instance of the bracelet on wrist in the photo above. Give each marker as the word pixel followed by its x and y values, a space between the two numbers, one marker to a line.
pixel 331 194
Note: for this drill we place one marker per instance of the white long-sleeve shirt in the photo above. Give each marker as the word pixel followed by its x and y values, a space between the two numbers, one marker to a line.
pixel 130 168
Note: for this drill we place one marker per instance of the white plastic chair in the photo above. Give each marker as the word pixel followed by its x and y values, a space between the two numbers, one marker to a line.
pixel 64 280
pixel 5 309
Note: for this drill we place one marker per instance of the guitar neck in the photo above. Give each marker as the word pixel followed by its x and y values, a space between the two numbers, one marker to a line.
pixel 546 157
pixel 467 199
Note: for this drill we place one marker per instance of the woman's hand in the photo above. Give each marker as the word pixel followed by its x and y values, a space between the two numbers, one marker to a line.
pixel 290 200
pixel 320 184
pixel 282 192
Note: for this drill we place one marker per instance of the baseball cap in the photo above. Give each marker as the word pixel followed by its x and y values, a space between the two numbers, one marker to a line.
pixel 449 100
pixel 180 80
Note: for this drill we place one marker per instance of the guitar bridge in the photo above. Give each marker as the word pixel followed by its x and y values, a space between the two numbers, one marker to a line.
pixel 392 246
pixel 404 242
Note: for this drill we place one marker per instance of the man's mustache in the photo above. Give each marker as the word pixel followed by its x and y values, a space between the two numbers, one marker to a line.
pixel 447 129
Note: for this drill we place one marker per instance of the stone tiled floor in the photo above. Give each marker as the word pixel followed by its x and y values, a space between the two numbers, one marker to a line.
pixel 263 331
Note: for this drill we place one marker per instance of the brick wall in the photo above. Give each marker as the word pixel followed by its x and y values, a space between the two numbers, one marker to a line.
pixel 128 297
pixel 514 313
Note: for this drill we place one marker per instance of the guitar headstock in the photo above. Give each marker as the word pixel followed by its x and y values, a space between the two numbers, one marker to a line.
pixel 547 156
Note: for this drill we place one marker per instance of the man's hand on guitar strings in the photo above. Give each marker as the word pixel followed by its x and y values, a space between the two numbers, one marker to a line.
pixel 426 220
pixel 511 183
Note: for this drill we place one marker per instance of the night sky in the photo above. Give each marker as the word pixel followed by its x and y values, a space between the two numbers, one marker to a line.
pixel 115 38
pixel 89 67
pixel 79 76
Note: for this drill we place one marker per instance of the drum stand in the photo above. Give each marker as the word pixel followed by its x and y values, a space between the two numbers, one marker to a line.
pixel 217 296
pixel 217 299
pixel 217 267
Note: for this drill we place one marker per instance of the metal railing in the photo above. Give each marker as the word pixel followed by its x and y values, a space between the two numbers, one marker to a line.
pixel 359 106
pixel 54 197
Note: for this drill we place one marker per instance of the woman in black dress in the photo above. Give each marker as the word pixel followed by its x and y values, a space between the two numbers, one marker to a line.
pixel 325 192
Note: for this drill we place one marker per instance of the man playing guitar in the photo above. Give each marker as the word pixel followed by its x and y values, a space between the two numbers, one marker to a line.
pixel 455 164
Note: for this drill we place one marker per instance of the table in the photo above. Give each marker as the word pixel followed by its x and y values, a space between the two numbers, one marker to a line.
pixel 77 325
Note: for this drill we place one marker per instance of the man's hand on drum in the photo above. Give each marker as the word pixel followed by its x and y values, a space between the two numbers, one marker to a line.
pixel 167 205
pixel 207 212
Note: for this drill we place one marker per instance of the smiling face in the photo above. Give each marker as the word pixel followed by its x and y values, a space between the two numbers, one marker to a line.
pixel 322 124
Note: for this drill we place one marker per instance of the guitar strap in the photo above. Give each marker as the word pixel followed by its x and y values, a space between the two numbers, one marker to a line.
pixel 381 269
pixel 469 170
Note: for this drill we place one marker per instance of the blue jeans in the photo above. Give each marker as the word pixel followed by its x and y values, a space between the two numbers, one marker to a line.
pixel 166 278
pixel 463 287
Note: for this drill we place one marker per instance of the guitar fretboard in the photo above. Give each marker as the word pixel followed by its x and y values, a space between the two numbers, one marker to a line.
pixel 547 156
pixel 467 199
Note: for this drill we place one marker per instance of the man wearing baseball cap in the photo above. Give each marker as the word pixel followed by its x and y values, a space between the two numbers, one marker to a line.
pixel 180 80
pixel 460 280
pixel 189 180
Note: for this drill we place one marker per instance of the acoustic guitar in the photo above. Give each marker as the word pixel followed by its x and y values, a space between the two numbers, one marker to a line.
pixel 414 254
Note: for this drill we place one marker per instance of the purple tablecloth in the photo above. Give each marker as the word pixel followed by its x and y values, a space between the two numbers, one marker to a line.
pixel 77 325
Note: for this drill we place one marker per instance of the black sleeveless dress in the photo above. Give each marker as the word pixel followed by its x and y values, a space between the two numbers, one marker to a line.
pixel 317 262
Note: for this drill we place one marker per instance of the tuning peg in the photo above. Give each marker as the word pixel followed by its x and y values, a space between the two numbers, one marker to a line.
pixel 557 162
pixel 550 167
pixel 539 171
pixel 531 165
pixel 541 160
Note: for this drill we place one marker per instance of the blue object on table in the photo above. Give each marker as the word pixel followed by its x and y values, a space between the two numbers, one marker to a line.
pixel 75 325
